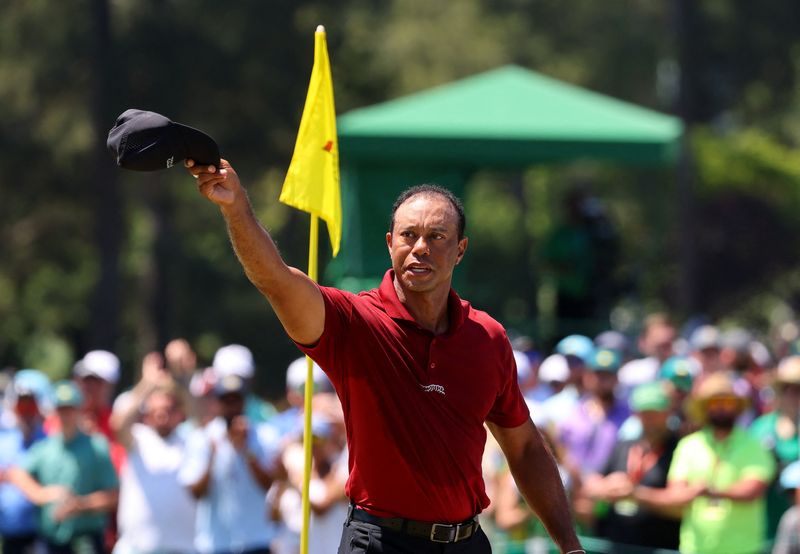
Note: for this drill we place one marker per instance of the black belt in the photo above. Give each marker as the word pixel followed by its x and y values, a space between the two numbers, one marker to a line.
pixel 436 532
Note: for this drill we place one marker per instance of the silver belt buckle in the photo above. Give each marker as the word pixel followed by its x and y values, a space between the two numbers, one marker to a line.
pixel 451 531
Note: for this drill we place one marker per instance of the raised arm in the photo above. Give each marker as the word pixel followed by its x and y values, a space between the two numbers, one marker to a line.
pixel 537 478
pixel 292 294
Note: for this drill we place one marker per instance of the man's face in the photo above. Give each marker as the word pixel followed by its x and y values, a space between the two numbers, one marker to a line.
pixel 424 244
pixel 96 392
pixel 68 417
pixel 601 383
pixel 27 409
pixel 654 422
pixel 658 342
pixel 162 413
pixel 722 411
pixel 709 359
pixel 231 405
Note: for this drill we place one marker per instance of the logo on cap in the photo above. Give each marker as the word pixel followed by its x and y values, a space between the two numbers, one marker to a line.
pixel 170 161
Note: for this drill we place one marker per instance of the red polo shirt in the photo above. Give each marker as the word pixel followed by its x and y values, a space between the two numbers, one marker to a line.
pixel 415 403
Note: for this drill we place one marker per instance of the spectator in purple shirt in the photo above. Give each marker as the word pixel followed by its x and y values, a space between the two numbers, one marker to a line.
pixel 590 433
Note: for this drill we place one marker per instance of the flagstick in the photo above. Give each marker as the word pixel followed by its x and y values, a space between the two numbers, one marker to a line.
pixel 309 390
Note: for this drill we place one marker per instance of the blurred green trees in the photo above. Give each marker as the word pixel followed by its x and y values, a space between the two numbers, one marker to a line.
pixel 76 232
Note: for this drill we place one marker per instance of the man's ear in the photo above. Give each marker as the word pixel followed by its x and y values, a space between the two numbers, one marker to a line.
pixel 462 248
pixel 389 242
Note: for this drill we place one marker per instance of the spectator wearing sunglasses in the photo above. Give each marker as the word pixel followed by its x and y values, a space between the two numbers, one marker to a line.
pixel 720 475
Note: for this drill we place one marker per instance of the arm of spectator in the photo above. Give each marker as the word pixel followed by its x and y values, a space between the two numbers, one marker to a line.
pixel 612 487
pixel 123 418
pixel 239 436
pixel 744 490
pixel 198 467
pixel 295 298
pixel 34 491
pixel 538 479
pixel 181 361
pixel 263 476
pixel 509 511
pixel 670 500
pixel 326 492
pixel 95 502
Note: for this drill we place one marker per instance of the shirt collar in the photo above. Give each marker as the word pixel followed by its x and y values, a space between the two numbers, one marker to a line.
pixel 457 309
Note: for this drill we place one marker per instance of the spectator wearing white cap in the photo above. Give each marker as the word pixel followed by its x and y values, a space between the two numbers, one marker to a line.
pixel 705 347
pixel 96 375
pixel 235 359
pixel 656 344
pixel 563 375
pixel 329 473
pixel 290 420
pixel 229 465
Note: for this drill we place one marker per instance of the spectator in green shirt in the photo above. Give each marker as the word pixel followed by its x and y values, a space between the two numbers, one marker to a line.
pixel 721 474
pixel 70 476
pixel 777 432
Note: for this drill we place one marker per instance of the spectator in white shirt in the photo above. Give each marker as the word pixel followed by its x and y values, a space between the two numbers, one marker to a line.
pixel 156 513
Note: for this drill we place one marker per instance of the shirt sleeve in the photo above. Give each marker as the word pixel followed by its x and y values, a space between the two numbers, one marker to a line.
pixel 679 469
pixel 31 460
pixel 195 461
pixel 105 474
pixel 509 409
pixel 338 315
pixel 758 463
pixel 265 444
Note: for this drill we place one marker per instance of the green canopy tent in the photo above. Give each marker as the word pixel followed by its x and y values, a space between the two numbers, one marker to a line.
pixel 508 118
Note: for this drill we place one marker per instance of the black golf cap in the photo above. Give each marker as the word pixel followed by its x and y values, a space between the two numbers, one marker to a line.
pixel 147 141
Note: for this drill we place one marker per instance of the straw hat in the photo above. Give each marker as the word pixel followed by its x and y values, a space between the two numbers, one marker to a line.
pixel 716 385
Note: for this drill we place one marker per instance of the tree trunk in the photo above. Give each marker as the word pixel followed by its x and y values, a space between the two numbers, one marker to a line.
pixel 104 324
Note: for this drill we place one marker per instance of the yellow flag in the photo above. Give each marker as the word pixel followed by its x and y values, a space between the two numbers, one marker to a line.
pixel 312 182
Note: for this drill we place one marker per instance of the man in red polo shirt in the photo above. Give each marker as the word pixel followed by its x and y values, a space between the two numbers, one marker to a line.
pixel 418 371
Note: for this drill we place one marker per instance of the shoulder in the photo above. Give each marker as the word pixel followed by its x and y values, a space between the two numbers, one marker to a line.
pixel 339 296
pixel 746 440
pixel 482 319
pixel 763 424
pixel 691 441
pixel 96 442
pixel 346 303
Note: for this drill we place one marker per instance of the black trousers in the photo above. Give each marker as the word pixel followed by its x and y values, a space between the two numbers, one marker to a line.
pixel 365 538
pixel 20 544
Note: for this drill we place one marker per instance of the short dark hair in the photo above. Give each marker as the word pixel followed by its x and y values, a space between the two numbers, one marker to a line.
pixel 429 189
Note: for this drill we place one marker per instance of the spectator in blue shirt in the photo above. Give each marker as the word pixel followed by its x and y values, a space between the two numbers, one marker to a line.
pixel 229 465
pixel 27 398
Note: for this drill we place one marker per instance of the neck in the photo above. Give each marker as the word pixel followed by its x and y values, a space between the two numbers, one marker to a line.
pixel 606 402
pixel 69 432
pixel 429 309
pixel 655 438
pixel 721 433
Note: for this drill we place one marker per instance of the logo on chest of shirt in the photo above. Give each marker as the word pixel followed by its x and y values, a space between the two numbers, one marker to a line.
pixel 433 388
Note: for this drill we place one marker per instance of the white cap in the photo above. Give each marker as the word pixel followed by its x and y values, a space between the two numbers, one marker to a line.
pixel 523 365
pixel 705 336
pixel 554 368
pixel 234 359
pixel 296 375
pixel 99 363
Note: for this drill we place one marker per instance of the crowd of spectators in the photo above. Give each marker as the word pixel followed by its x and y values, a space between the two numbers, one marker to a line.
pixel 675 441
